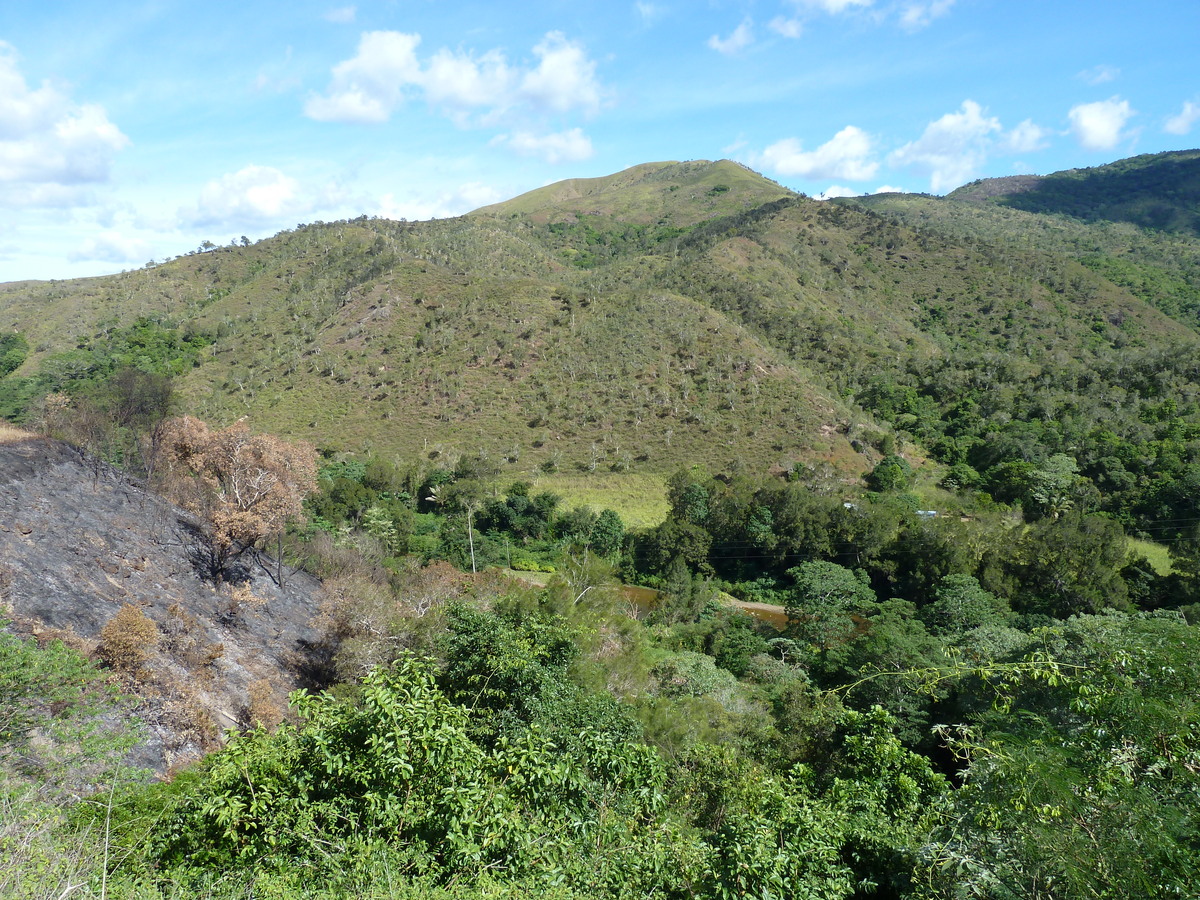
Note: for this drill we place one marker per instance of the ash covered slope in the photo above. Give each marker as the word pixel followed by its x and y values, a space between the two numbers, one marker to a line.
pixel 78 541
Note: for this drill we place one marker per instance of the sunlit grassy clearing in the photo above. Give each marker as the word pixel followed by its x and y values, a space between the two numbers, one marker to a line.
pixel 1157 554
pixel 639 499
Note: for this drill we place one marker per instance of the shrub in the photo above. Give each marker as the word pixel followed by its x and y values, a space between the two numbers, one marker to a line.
pixel 127 639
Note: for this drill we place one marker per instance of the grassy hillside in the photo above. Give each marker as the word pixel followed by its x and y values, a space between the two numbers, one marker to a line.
pixel 664 193
pixel 1133 222
pixel 670 314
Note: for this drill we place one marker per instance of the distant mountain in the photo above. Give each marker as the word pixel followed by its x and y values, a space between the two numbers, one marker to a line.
pixel 1159 191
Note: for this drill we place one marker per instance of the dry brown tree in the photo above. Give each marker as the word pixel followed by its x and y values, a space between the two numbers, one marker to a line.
pixel 246 487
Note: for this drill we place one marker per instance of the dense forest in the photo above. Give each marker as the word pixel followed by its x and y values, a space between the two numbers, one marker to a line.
pixel 915 617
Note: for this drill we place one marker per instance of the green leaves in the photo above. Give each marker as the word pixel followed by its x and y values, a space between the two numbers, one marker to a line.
pixel 58 717
pixel 1083 780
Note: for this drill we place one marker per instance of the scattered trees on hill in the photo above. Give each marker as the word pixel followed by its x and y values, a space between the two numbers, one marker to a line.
pixel 13 350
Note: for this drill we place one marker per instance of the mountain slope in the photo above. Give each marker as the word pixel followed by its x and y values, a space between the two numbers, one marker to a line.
pixel 1135 222
pixel 1159 191
pixel 674 313
pixel 78 541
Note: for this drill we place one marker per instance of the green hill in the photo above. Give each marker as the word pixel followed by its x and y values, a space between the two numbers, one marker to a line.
pixel 1159 191
pixel 663 193
pixel 680 313
pixel 1135 222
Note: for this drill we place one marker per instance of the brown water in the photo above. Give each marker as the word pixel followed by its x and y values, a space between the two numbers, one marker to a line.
pixel 646 598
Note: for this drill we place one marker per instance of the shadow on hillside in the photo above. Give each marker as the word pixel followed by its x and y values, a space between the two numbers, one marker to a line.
pixel 207 562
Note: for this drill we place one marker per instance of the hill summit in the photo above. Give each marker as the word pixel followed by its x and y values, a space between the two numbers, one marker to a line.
pixel 678 193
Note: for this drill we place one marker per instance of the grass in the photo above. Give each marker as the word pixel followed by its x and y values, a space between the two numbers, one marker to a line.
pixel 682 192
pixel 639 499
pixel 1158 555
pixel 10 434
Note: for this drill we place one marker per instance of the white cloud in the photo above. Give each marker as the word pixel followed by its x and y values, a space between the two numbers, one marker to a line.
pixel 729 151
pixel 369 86
pixel 1098 126
pixel 255 194
pixel 342 15
pixel 837 190
pixel 1183 122
pixel 564 79
pixel 739 39
pixel 649 13
pixel 846 155
pixel 111 246
pixel 1101 74
pixel 563 146
pixel 277 76
pixel 889 189
pixel 458 80
pixel 952 148
pixel 49 145
pixel 916 15
pixel 443 204
pixel 1026 138
pixel 911 15
pixel 788 28
pixel 833 7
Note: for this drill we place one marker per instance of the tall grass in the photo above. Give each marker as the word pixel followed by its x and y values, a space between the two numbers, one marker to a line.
pixel 640 499
pixel 1157 555
pixel 9 434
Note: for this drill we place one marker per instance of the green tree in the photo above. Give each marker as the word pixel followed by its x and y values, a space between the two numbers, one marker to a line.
pixel 13 351
pixel 1080 779
pixel 1070 565
pixel 824 601
pixel 658 547
pixel 689 495
pixel 1054 485
pixel 874 669
pixel 607 533
pixel 892 473
pixel 960 604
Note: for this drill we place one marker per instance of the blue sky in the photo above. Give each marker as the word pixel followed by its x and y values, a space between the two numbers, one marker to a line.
pixel 132 131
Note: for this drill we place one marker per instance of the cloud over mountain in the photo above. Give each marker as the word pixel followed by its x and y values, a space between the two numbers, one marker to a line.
pixel 51 147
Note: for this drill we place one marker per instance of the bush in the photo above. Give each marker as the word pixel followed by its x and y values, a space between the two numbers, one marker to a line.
pixel 528 564
pixel 126 640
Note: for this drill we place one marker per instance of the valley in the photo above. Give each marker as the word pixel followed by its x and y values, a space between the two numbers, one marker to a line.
pixel 945 449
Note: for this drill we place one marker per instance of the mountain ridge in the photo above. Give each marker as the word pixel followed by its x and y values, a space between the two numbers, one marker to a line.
pixel 1160 191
